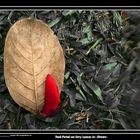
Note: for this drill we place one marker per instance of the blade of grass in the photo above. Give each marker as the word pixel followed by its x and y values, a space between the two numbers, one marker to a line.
pixel 94 45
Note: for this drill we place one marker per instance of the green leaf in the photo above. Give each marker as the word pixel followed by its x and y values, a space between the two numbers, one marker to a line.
pixel 94 45
pixel 54 22
pixel 79 89
pixel 96 89
pixel 89 35
pixel 110 66
pixel 83 95
pixel 117 19
pixel 67 75
pixel 85 41
pixel 86 29
pixel 98 92
pixel 68 13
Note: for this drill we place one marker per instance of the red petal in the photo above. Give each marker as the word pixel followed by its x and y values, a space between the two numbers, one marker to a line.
pixel 52 97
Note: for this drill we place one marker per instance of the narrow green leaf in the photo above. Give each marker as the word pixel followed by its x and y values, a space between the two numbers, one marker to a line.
pixel 68 13
pixel 54 22
pixel 82 94
pixel 67 75
pixel 85 41
pixel 110 66
pixel 79 89
pixel 89 35
pixel 117 19
pixel 98 92
pixel 86 29
pixel 96 89
pixel 94 45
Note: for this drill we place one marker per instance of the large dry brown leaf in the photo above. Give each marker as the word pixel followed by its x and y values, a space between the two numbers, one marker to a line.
pixel 31 52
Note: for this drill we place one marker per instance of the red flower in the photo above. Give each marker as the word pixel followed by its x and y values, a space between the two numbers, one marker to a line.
pixel 52 97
